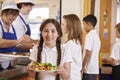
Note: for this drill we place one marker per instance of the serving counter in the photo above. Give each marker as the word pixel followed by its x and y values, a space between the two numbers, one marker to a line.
pixel 16 73
pixel 17 67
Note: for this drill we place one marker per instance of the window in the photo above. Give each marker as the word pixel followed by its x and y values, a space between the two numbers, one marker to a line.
pixel 36 16
pixel 42 13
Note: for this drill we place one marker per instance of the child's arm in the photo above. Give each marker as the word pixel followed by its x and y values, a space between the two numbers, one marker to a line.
pixel 30 72
pixel 114 57
pixel 86 59
pixel 113 61
pixel 64 71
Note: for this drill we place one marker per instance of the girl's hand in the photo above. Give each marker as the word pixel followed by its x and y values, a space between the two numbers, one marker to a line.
pixel 64 71
pixel 31 73
pixel 82 71
pixel 60 70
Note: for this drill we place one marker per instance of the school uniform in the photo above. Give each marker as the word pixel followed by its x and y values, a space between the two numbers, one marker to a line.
pixel 21 26
pixel 49 55
pixel 76 65
pixel 11 35
pixel 116 55
pixel 92 43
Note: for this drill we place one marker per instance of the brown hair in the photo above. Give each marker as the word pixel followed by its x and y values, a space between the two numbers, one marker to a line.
pixel 19 5
pixel 74 27
pixel 10 11
pixel 118 27
pixel 58 42
pixel 90 18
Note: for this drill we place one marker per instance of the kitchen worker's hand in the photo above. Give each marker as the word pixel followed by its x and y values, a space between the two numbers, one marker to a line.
pixel 25 46
pixel 25 39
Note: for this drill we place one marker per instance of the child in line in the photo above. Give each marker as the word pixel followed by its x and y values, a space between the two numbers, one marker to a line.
pixel 115 56
pixel 71 26
pixel 90 65
pixel 50 50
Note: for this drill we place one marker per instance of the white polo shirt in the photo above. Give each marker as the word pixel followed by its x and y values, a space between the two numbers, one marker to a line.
pixel 50 55
pixel 115 54
pixel 19 26
pixel 92 43
pixel 76 66
pixel 10 29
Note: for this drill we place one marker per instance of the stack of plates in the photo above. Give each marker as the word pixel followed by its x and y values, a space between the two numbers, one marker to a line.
pixel 12 55
pixel 21 58
pixel 4 62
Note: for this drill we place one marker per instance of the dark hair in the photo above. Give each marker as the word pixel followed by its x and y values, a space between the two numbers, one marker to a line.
pixel 90 18
pixel 10 11
pixel 19 5
pixel 74 27
pixel 118 27
pixel 58 41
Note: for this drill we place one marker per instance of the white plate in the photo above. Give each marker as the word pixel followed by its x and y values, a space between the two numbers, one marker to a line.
pixel 45 71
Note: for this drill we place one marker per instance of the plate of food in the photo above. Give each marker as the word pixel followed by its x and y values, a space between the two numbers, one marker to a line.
pixel 44 67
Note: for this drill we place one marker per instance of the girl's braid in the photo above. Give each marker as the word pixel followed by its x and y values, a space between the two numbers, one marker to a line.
pixel 40 47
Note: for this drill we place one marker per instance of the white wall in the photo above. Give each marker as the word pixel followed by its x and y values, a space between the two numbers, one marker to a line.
pixel 73 7
pixel 97 14
pixel 54 7
pixel 118 11
pixel 113 21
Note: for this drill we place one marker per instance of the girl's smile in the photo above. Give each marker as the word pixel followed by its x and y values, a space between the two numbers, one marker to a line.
pixel 50 34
